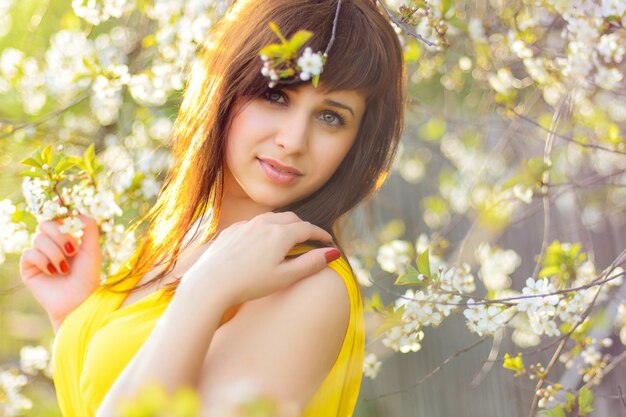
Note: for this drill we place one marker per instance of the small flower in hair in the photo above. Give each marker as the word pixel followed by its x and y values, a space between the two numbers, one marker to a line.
pixel 284 63
pixel 310 64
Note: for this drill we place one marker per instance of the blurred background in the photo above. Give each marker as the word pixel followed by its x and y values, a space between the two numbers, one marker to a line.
pixel 512 162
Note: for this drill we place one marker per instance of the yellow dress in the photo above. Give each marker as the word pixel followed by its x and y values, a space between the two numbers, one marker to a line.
pixel 98 339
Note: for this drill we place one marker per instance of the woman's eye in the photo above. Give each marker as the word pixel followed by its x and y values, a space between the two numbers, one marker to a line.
pixel 333 119
pixel 274 96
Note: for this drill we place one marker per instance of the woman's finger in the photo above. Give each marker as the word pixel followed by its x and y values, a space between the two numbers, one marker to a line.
pixel 62 240
pixel 32 257
pixel 48 247
pixel 307 264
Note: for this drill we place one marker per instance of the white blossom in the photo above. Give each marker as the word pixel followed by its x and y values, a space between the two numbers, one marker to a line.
pixel 98 11
pixel 52 209
pixel 485 319
pixel 13 236
pixel 611 48
pixel 542 325
pixel 476 30
pixel 404 338
pixel 10 61
pixel 311 64
pixel 608 78
pixel 503 81
pixel 496 266
pixel 458 279
pixel 34 359
pixel 34 192
pixel 536 303
pixel 148 90
pixel 591 355
pixel 120 244
pixel 394 256
pixel 65 64
pixel 524 193
pixel 72 226
pixel 362 275
pixel 570 309
pixel 150 187
pixel 371 366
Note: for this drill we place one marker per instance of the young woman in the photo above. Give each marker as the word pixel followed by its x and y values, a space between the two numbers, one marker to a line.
pixel 230 283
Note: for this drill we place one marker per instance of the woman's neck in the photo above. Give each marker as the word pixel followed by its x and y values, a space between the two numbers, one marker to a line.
pixel 235 209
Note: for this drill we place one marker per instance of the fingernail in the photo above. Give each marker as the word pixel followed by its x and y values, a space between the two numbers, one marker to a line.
pixel 64 267
pixel 51 269
pixel 69 248
pixel 331 255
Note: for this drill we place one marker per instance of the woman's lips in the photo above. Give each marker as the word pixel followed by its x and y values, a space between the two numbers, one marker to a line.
pixel 276 175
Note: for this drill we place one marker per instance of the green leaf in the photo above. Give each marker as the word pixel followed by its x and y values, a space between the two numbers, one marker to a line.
pixel 374 303
pixel 433 130
pixel 46 155
pixel 423 263
pixel 315 81
pixel 412 51
pixel 31 162
pixel 446 5
pixel 410 278
pixel 554 412
pixel 63 165
pixel 585 400
pixel 33 174
pixel 571 400
pixel 90 158
pixel 277 31
pixel 273 51
pixel 391 319
pixel 299 39
pixel 549 271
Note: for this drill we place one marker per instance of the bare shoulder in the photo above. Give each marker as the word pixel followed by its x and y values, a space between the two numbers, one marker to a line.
pixel 282 345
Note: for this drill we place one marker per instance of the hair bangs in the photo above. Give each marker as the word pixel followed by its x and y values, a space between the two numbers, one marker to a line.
pixel 358 59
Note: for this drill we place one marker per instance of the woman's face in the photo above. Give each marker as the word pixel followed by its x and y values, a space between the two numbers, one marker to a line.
pixel 285 145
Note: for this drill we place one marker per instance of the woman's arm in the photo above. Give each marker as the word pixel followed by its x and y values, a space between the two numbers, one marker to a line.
pixel 245 262
pixel 173 353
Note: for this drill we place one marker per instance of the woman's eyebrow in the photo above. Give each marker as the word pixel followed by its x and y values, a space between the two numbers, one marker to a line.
pixel 339 105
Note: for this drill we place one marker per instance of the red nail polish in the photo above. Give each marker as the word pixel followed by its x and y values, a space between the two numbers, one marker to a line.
pixel 64 267
pixel 69 248
pixel 51 269
pixel 331 255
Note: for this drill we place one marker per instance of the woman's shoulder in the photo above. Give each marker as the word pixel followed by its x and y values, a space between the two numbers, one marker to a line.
pixel 307 319
pixel 340 266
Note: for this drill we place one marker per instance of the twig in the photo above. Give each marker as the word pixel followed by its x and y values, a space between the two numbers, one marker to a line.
pixel 621 396
pixel 547 152
pixel 11 290
pixel 610 367
pixel 557 354
pixel 47 117
pixel 433 372
pixel 584 183
pixel 332 36
pixel 600 280
pixel 551 131
pixel 405 28
pixel 488 364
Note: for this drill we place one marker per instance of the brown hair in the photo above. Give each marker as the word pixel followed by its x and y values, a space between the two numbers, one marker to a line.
pixel 366 56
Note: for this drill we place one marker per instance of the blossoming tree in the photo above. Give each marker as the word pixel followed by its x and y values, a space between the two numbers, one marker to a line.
pixel 516 112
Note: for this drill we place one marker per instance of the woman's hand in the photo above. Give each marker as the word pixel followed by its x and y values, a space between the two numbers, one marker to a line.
pixel 58 271
pixel 247 260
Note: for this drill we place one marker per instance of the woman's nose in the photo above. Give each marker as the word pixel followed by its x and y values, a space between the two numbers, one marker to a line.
pixel 293 134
